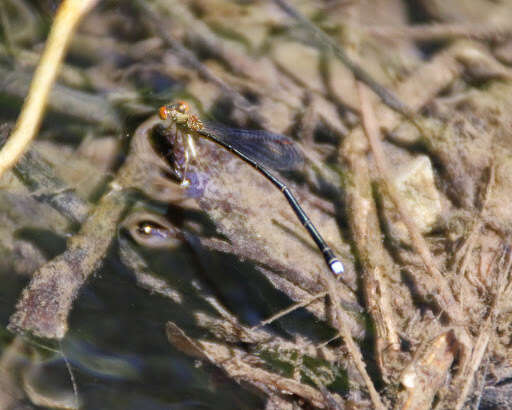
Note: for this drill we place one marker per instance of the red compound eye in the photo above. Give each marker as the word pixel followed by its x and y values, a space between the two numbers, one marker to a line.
pixel 163 112
pixel 182 107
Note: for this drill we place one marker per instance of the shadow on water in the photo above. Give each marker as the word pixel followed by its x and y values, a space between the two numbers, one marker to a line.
pixel 121 355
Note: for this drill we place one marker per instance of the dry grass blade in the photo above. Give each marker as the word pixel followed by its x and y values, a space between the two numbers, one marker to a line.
pixel 68 16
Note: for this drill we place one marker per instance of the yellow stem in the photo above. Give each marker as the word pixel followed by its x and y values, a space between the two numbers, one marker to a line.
pixel 67 18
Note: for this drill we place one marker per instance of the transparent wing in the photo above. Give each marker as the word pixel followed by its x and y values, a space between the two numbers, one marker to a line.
pixel 271 150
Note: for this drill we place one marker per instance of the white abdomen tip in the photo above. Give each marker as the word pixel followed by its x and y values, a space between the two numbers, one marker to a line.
pixel 337 267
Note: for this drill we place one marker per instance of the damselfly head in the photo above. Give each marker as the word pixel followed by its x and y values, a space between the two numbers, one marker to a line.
pixel 179 113
pixel 173 110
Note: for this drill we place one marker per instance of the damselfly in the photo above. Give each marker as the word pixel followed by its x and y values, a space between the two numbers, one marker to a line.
pixel 260 149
